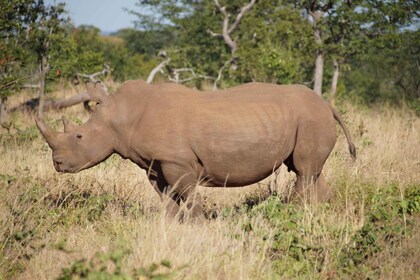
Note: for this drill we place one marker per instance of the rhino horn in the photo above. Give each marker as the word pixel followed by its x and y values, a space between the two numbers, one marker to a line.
pixel 96 91
pixel 68 126
pixel 46 132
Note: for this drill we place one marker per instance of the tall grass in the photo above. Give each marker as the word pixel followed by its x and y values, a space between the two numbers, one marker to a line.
pixel 108 220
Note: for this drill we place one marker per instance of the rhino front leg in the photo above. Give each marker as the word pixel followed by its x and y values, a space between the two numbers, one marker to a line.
pixel 194 204
pixel 184 182
pixel 170 200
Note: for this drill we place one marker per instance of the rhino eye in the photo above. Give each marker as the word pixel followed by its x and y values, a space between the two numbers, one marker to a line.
pixel 79 136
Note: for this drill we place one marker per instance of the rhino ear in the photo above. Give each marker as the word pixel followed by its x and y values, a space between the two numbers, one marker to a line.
pixel 96 91
pixel 68 126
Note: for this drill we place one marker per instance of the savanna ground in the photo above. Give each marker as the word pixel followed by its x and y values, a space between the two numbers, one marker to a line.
pixel 107 223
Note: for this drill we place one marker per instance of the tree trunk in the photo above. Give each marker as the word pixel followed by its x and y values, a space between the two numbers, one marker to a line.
pixel 42 73
pixel 3 109
pixel 319 63
pixel 319 72
pixel 334 81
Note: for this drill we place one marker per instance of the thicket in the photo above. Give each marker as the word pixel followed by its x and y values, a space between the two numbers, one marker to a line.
pixel 369 49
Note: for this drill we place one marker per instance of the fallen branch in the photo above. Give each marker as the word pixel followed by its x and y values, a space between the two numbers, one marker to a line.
pixel 32 104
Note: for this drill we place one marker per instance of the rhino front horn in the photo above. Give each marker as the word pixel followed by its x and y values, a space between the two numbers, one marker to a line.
pixel 46 132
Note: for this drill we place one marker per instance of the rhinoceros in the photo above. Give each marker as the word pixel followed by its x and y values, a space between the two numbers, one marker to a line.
pixel 184 138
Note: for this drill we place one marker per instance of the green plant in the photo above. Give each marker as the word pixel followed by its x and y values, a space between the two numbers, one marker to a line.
pixel 109 266
pixel 389 220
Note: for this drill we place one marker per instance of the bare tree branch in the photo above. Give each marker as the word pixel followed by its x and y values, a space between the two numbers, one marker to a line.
pixel 92 77
pixel 17 80
pixel 219 75
pixel 177 73
pixel 157 69
pixel 226 30
pixel 241 14
pixel 30 86
pixel 213 34
pixel 226 34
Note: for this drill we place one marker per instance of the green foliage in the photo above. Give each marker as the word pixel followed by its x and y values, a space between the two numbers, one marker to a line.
pixel 12 52
pixel 19 135
pixel 86 55
pixel 295 245
pixel 293 255
pixel 385 74
pixel 281 67
pixel 374 42
pixel 146 42
pixel 151 271
pixel 388 221
pixel 98 268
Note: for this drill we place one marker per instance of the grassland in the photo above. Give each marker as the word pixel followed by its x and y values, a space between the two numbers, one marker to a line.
pixel 107 222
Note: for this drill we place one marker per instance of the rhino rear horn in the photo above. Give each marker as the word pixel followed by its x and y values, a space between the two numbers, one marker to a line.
pixel 68 126
pixel 46 132
pixel 96 91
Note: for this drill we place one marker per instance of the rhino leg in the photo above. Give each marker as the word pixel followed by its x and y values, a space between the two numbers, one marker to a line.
pixel 194 205
pixel 184 181
pixel 314 143
pixel 313 189
pixel 170 199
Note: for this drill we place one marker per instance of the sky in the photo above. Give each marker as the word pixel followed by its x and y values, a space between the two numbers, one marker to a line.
pixel 107 15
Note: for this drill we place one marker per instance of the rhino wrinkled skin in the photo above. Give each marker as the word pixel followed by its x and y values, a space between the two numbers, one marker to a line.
pixel 184 137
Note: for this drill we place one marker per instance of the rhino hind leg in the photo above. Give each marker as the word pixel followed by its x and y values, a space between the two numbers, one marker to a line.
pixel 313 189
pixel 313 146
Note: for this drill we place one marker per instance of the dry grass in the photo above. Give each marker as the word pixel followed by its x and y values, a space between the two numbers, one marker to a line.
pixel 50 220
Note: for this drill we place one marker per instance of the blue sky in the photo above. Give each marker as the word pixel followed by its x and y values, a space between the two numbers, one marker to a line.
pixel 108 15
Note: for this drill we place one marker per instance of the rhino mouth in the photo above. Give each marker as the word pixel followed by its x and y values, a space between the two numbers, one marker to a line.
pixel 61 166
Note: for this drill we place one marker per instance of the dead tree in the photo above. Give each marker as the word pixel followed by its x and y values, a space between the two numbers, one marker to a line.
pixel 157 69
pixel 227 30
pixel 174 74
pixel 106 71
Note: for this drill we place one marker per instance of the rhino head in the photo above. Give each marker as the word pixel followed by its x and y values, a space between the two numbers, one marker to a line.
pixel 80 146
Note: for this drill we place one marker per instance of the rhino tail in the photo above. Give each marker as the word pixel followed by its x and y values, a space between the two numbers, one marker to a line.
pixel 337 117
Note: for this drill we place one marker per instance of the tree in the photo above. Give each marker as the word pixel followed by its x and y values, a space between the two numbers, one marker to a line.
pixel 13 16
pixel 275 45
pixel 315 11
pixel 386 74
pixel 356 26
pixel 44 26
